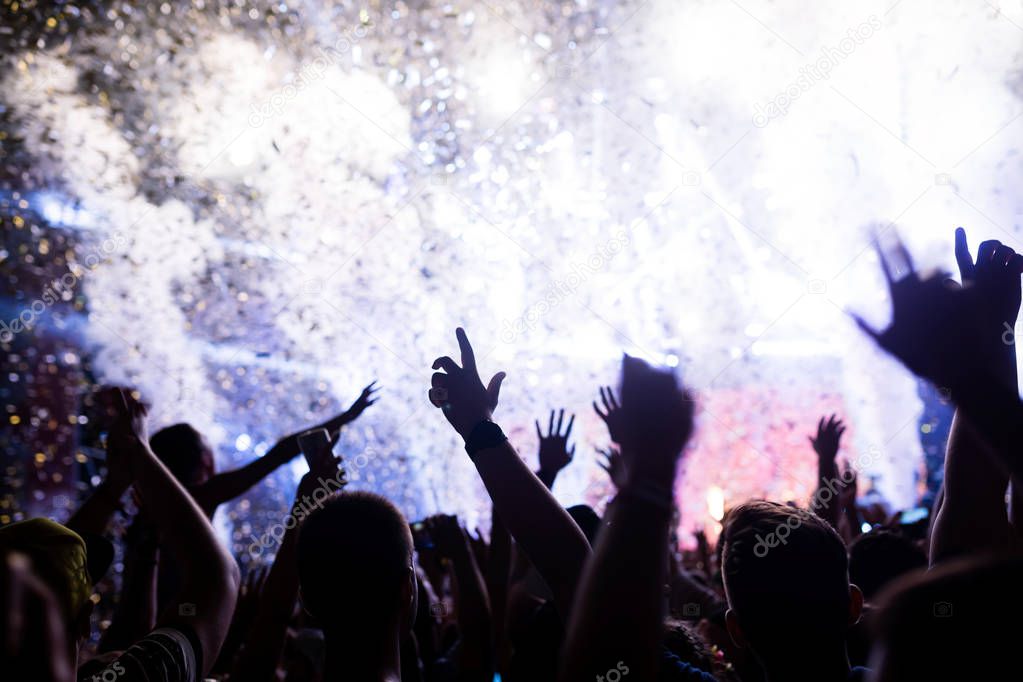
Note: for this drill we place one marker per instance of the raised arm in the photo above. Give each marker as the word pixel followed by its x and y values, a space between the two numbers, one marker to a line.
pixel 472 609
pixel 974 517
pixel 95 514
pixel 937 331
pixel 825 444
pixel 499 560
pixel 230 484
pixel 620 609
pixel 540 526
pixel 209 573
pixel 135 614
pixel 848 497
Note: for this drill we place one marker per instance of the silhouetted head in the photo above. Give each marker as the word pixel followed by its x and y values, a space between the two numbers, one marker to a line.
pixel 955 622
pixel 588 521
pixel 786 577
pixel 879 557
pixel 58 559
pixel 185 452
pixel 355 566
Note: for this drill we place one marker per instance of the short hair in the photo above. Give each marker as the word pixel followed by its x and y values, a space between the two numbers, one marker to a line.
pixel 354 553
pixel 58 556
pixel 182 449
pixel 952 622
pixel 785 570
pixel 879 557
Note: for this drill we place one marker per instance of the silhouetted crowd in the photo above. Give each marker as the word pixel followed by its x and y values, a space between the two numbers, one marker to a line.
pixel 820 591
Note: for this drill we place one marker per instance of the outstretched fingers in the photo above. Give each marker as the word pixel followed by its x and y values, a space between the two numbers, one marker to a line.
pixel 866 328
pixel 447 364
pixel 468 356
pixel 494 389
pixel 963 257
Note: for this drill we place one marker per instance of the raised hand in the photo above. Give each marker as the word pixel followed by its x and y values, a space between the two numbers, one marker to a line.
pixel 555 454
pixel 829 434
pixel 324 468
pixel 850 491
pixel 460 393
pixel 618 613
pixel 996 272
pixel 612 414
pixel 365 399
pixel 937 326
pixel 656 422
pixel 613 464
pixel 128 434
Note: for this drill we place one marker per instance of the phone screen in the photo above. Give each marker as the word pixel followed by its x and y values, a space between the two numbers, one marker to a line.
pixel 315 446
pixel 914 515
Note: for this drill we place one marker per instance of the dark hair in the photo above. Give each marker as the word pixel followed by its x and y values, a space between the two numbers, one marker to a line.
pixel 953 622
pixel 879 557
pixel 785 571
pixel 184 451
pixel 681 640
pixel 588 521
pixel 354 553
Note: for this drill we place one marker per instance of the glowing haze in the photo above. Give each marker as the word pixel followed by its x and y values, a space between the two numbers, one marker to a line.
pixel 308 197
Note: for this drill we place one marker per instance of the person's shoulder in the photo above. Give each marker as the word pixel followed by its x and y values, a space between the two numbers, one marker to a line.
pixel 167 654
pixel 674 669
pixel 859 674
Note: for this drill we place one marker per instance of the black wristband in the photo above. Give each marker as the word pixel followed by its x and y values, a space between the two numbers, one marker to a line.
pixel 484 435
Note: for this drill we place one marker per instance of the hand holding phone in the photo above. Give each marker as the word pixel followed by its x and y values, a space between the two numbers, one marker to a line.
pixel 315 446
